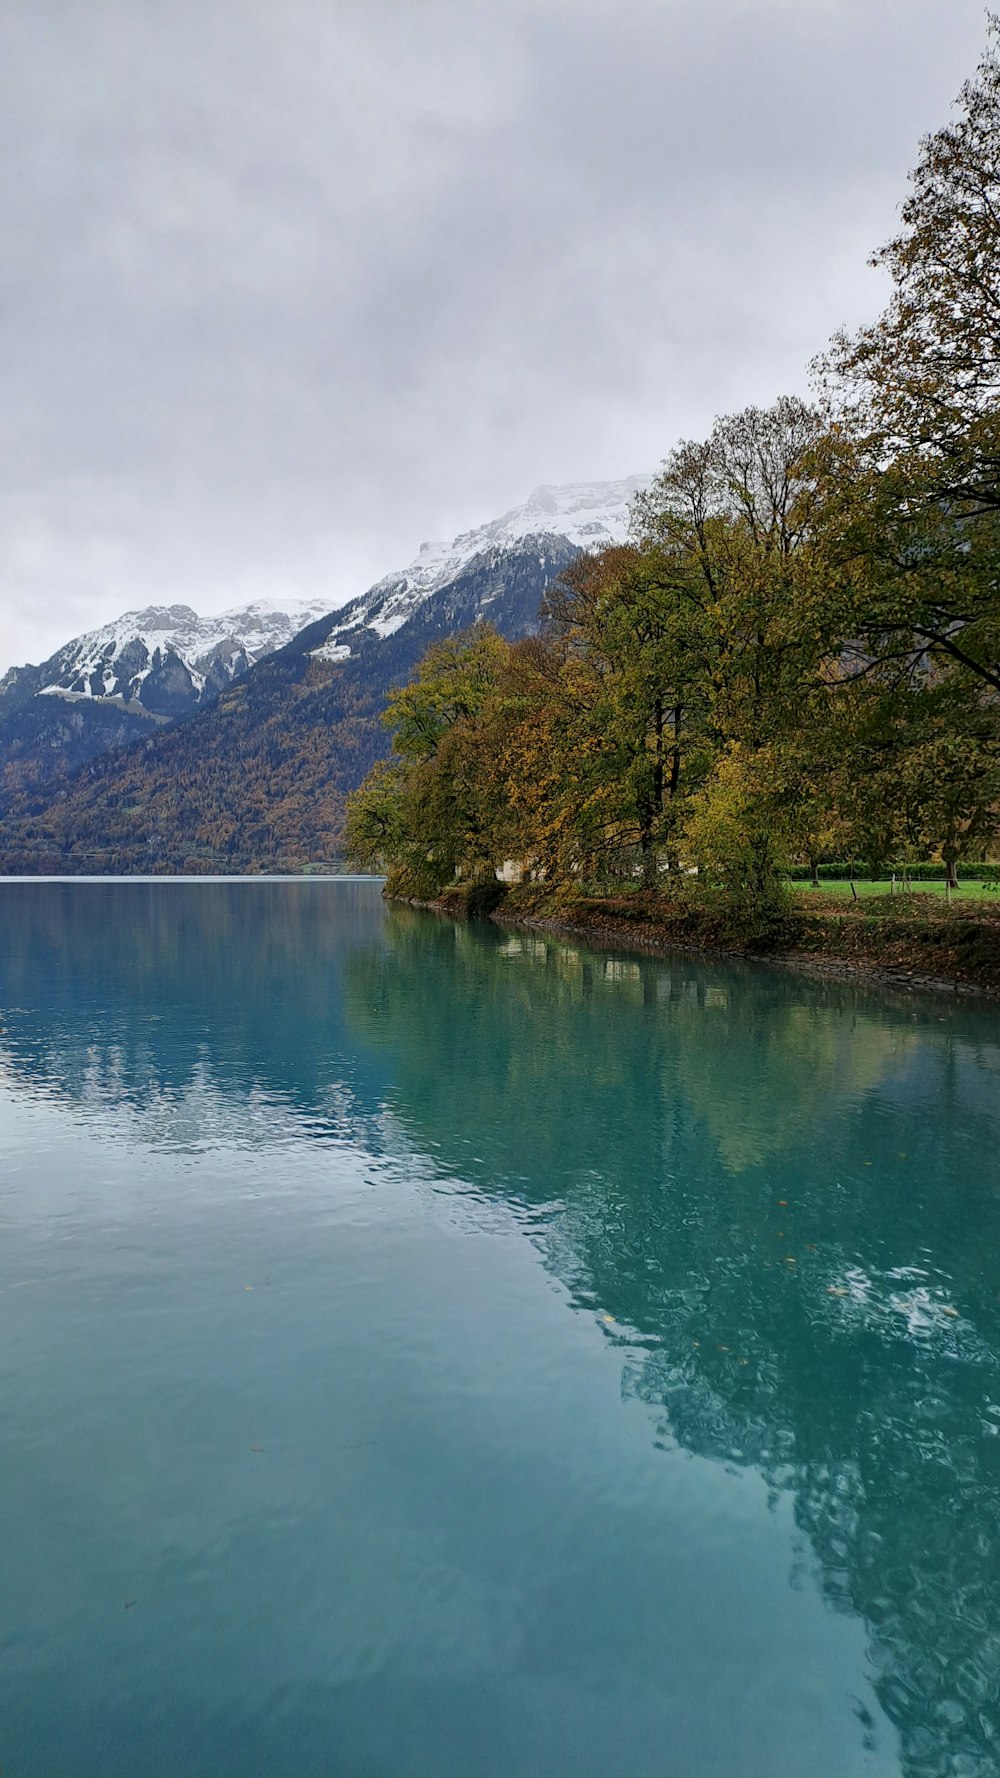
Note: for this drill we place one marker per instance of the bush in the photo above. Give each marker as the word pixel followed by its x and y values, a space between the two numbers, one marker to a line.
pixel 406 882
pixel 482 899
pixel 917 873
pixel 736 832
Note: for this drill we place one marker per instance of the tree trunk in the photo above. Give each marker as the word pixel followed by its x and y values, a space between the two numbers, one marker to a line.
pixel 675 753
pixel 648 861
pixel 658 756
pixel 655 805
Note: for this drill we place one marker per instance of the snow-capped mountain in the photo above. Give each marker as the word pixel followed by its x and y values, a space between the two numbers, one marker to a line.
pixel 161 662
pixel 260 776
pixel 582 515
pixel 123 681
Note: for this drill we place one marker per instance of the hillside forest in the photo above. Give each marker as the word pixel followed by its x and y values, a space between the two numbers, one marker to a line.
pixel 796 658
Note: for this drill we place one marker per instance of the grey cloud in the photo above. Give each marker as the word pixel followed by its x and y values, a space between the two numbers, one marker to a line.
pixel 286 288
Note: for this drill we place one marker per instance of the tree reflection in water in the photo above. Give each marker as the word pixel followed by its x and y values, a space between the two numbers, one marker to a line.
pixel 690 1130
pixel 778 1196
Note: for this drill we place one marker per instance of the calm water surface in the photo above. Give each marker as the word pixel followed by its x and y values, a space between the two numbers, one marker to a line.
pixel 427 1352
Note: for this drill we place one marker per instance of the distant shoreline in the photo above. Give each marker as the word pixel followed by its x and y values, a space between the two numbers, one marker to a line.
pixel 333 876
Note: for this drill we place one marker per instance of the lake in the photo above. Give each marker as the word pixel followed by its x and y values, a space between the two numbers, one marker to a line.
pixel 435 1351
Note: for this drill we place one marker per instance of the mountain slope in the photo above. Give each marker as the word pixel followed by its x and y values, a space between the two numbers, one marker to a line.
pixel 259 777
pixel 585 515
pixel 115 684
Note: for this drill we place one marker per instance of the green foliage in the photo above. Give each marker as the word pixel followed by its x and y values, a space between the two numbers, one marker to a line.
pixel 840 871
pixel 374 825
pixel 739 829
pixel 450 687
pixel 914 462
pixel 426 814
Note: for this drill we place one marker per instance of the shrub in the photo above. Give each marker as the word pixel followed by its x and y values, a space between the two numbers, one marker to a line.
pixel 839 872
pixel 481 899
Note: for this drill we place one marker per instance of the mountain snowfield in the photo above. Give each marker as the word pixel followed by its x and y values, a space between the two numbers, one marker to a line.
pixel 586 515
pixel 160 661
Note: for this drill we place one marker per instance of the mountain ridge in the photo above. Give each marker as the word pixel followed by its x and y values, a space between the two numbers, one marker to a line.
pixel 128 651
pixel 111 685
pixel 585 514
pixel 259 774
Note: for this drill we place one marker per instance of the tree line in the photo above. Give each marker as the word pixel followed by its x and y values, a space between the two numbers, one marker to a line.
pixel 797 655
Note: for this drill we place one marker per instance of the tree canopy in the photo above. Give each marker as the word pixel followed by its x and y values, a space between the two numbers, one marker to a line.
pixel 798 654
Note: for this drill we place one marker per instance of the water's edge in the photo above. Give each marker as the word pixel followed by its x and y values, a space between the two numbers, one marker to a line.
pixel 650 939
pixel 906 972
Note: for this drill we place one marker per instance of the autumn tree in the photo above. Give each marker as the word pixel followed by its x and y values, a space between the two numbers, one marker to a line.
pixel 630 624
pixel 731 520
pixel 799 650
pixel 427 813
pixel 915 399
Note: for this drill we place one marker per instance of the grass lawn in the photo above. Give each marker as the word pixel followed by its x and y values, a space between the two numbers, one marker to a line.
pixel 970 890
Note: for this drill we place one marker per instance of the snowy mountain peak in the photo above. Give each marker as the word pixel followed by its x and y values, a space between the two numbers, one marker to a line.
pixel 585 515
pixel 160 661
pixel 159 617
pixel 258 627
pixel 583 505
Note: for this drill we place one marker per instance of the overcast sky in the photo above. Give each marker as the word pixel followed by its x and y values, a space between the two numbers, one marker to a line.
pixel 288 286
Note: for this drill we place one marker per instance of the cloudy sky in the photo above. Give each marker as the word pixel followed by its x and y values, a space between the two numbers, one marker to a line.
pixel 288 286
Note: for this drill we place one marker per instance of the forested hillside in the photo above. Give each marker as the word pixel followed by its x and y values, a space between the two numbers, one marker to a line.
pixel 119 683
pixel 258 780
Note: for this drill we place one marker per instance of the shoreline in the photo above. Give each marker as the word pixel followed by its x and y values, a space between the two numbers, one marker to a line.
pixel 608 927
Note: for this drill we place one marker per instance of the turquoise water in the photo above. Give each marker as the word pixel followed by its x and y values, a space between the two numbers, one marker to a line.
pixel 437 1352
